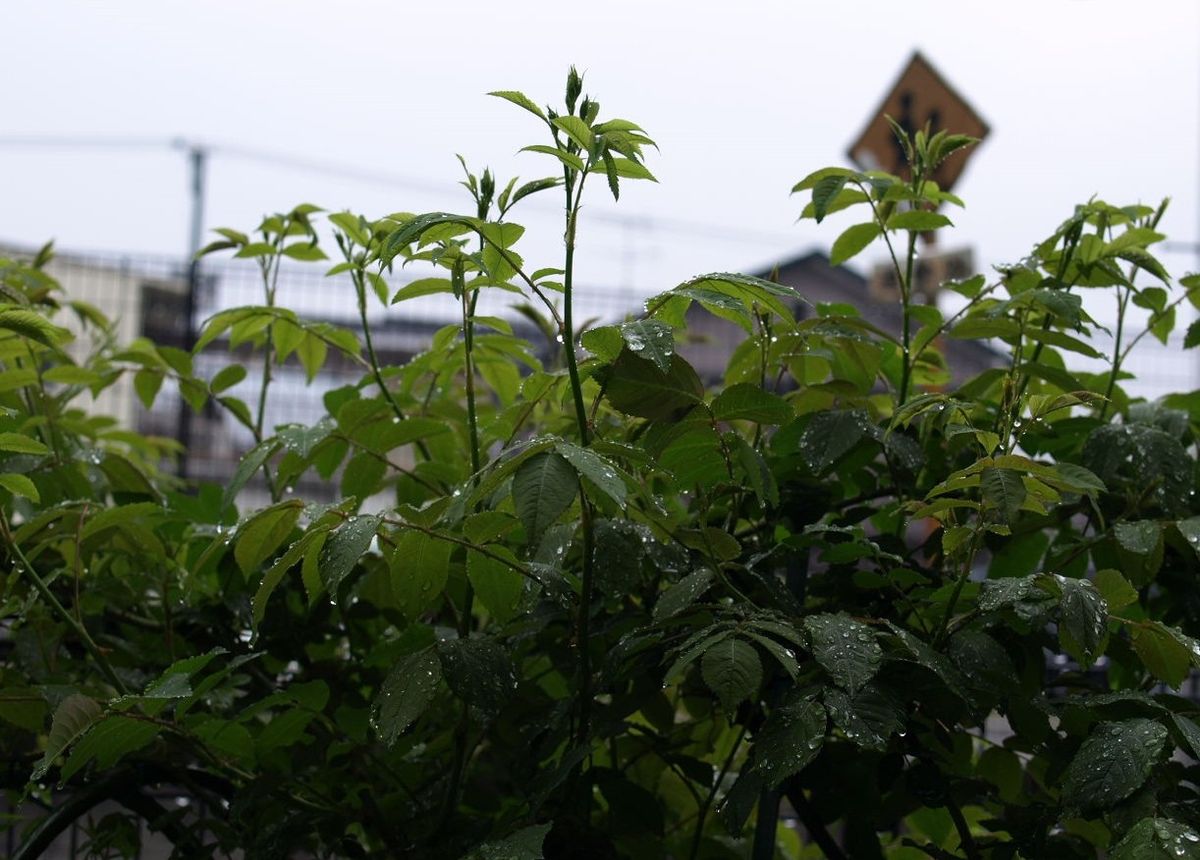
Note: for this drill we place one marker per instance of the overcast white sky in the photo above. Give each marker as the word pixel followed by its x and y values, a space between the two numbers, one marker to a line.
pixel 1083 96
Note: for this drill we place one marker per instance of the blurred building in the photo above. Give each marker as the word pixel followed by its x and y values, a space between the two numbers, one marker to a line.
pixel 711 340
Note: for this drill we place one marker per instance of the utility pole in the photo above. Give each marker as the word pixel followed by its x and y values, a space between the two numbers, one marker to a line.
pixel 198 166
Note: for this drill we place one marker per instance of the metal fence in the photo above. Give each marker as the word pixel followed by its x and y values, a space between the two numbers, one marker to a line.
pixel 148 296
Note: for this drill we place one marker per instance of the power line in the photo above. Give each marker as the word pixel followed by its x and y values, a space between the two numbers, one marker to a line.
pixel 680 226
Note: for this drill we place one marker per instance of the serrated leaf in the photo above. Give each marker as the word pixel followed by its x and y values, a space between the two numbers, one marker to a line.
pixel 520 100
pixel 745 402
pixel 683 594
pixel 19 485
pixel 868 719
pixel 1083 624
pixel 525 844
pixel 845 648
pixel 344 547
pixel 1115 589
pixel 918 220
pixel 479 672
pixel 409 688
pixel 1139 537
pixel 596 469
pixel 19 443
pixel 733 671
pixel 830 435
pixel 576 129
pixel 824 190
pixel 638 387
pixel 1158 839
pixel 263 533
pixel 109 741
pixel 543 487
pixel 789 740
pixel 852 241
pixel 498 587
pixel 31 325
pixel 1113 763
pixel 650 339
pixel 420 568
pixel 313 539
pixel 1004 490
pixel 1162 653
pixel 74 716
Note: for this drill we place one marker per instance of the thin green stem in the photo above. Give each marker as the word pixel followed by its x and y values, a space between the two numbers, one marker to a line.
pixel 61 611
pixel 360 288
pixel 702 813
pixel 906 319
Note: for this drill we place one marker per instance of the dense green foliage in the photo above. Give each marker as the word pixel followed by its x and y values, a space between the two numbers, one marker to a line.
pixel 570 601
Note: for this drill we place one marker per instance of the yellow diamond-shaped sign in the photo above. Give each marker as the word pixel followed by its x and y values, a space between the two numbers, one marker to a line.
pixel 919 96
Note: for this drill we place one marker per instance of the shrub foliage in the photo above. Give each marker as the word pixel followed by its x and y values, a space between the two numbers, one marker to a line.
pixel 569 600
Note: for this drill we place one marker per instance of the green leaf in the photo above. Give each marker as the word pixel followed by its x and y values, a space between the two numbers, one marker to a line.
pixel 422 287
pixel 543 487
pixel 497 585
pixel 868 719
pixel 31 325
pixel 569 159
pixel 652 340
pixel 638 387
pixel 576 129
pixel 845 648
pixel 24 707
pixel 19 485
pixel 824 191
pixel 1113 763
pixel 520 100
pixel 745 402
pixel 1083 625
pixel 525 844
pixel 732 670
pixel 501 262
pixel 683 594
pixel 853 240
pixel 250 463
pixel 420 568
pixel 262 534
pixel 789 740
pixel 1004 490
pixel 108 742
pixel 226 378
pixel 344 547
pixel 1162 653
pixel 1140 537
pixel 829 436
pixel 918 220
pixel 19 443
pixel 305 251
pixel 1115 589
pixel 1158 839
pixel 74 716
pixel 408 690
pixel 596 469
pixel 1192 338
pixel 816 176
pixel 314 539
pixel 479 672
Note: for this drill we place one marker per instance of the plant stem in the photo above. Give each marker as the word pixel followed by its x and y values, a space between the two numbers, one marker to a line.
pixel 813 823
pixel 906 319
pixel 766 825
pixel 702 813
pixel 62 612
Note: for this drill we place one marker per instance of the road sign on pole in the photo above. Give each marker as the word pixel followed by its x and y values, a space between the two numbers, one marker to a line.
pixel 920 96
